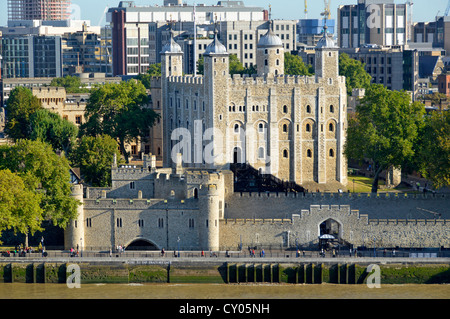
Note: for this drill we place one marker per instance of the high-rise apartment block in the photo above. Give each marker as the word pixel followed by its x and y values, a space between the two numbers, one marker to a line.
pixel 38 9
pixel 380 22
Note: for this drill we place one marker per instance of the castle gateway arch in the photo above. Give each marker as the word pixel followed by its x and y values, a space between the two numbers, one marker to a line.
pixel 142 244
pixel 330 232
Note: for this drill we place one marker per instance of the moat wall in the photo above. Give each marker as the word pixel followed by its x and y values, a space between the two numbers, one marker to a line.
pixel 224 272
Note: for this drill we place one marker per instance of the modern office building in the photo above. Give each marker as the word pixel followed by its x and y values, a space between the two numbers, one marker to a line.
pixel 380 22
pixel 32 56
pixel 240 38
pixel 38 10
pixel 436 33
pixel 139 32
pixel 87 52
pixel 310 31
pixel 85 48
pixel 397 68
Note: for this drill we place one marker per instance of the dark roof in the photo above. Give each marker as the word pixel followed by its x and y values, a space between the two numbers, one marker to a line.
pixel 427 64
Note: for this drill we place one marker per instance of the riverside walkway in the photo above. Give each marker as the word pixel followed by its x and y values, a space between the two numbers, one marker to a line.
pixel 233 257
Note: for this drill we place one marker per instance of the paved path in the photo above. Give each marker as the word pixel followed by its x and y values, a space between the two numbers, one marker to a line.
pixel 218 260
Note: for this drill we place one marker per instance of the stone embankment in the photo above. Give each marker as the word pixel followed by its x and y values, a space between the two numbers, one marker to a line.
pixel 226 270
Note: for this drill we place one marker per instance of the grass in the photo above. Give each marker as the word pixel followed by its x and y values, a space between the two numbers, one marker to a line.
pixel 362 184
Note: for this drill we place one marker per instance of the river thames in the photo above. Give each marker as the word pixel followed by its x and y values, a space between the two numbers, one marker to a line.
pixel 222 291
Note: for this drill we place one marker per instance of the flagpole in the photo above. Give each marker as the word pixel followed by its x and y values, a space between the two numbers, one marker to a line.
pixel 195 42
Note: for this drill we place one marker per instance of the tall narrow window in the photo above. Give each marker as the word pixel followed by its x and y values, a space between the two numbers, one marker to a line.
pixel 308 153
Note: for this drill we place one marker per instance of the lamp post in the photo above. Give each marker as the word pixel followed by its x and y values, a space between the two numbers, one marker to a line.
pixel 178 241
pixel 81 247
pixel 374 250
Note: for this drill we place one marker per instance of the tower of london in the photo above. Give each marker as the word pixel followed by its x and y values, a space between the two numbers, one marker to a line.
pixel 292 127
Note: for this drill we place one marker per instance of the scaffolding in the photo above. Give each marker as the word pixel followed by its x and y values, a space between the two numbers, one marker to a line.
pixel 38 10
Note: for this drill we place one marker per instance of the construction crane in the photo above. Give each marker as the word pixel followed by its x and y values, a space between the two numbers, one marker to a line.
pixel 448 9
pixel 306 9
pixel 326 13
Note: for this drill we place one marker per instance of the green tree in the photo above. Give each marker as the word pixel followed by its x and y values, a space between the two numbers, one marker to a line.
pixel 53 129
pixel 20 207
pixel 21 105
pixel 153 71
pixel 201 65
pixel 384 129
pixel 72 84
pixel 433 157
pixel 294 65
pixel 94 156
pixel 119 110
pixel 236 66
pixel 45 172
pixel 353 70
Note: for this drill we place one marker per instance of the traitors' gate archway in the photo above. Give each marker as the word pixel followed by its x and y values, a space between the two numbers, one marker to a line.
pixel 142 244
pixel 331 227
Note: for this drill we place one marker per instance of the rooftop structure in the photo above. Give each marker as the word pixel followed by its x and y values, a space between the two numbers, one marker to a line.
pixel 38 9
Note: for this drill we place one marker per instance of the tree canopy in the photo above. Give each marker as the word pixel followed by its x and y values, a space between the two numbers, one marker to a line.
pixel 20 207
pixel 294 65
pixel 145 78
pixel 44 172
pixel 51 128
pixel 433 158
pixel 21 105
pixel 385 129
pixel 94 156
pixel 72 84
pixel 236 66
pixel 119 110
pixel 353 70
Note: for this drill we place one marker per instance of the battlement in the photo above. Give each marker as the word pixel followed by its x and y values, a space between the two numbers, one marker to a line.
pixel 353 196
pixel 128 172
pixel 239 80
pixel 186 79
pixel 133 204
pixel 202 177
pixel 404 222
pixel 244 221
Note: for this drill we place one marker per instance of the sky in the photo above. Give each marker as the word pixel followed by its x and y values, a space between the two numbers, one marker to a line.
pixel 93 10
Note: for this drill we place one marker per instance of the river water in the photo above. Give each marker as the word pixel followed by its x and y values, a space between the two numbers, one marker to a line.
pixel 221 291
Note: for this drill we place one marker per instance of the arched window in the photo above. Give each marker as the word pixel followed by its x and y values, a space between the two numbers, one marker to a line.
pixel 331 127
pixel 308 109
pixel 236 128
pixel 196 193
pixel 278 62
pixel 260 127
pixel 265 62
pixel 308 153
pixel 285 109
pixel 285 128
pixel 331 152
pixel 308 127
pixel 261 152
pixel 285 153
pixel 331 109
